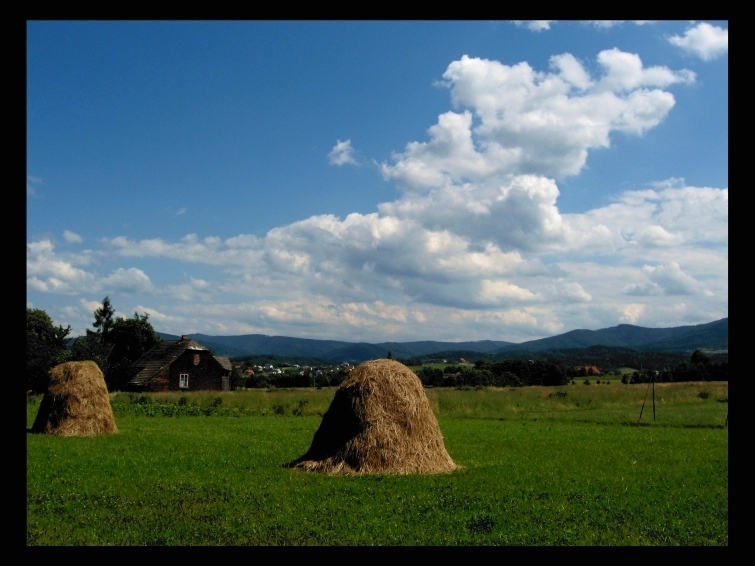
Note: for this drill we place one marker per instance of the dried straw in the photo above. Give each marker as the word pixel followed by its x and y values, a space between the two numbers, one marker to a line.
pixel 76 402
pixel 379 422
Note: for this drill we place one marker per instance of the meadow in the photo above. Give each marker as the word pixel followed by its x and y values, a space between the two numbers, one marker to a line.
pixel 600 465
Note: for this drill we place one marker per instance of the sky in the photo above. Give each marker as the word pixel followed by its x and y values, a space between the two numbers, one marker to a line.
pixel 375 181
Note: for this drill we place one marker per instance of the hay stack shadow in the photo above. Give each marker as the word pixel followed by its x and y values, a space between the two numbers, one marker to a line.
pixel 379 422
pixel 76 402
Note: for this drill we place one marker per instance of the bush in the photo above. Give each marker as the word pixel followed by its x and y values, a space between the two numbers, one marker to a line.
pixel 298 410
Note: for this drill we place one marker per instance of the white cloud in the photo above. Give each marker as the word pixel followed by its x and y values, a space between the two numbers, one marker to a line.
pixel 476 239
pixel 505 253
pixel 631 313
pixel 31 185
pixel 342 153
pixel 624 72
pixel 131 280
pixel 604 24
pixel 520 121
pixel 671 279
pixel 48 272
pixel 704 40
pixel 72 237
pixel 608 24
pixel 534 25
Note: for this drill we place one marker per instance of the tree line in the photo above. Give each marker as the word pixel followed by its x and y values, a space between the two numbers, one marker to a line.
pixel 114 344
pixel 520 372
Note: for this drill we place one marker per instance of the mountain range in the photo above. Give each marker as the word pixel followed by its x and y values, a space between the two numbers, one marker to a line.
pixel 709 336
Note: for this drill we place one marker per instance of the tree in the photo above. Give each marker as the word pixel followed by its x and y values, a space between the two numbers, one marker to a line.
pixel 129 339
pixel 45 348
pixel 116 344
pixel 96 345
pixel 698 357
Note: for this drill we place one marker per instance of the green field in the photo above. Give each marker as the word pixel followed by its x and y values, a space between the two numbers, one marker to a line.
pixel 573 465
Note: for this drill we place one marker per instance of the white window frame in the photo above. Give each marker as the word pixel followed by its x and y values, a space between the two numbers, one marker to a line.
pixel 183 380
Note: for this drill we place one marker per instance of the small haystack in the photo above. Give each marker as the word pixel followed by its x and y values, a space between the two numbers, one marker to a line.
pixel 379 422
pixel 76 402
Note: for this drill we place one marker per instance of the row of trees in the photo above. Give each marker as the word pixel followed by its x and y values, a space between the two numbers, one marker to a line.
pixel 114 344
pixel 512 373
pixel 517 373
pixel 699 368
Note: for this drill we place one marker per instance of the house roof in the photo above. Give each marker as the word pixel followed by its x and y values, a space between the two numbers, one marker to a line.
pixel 225 362
pixel 164 354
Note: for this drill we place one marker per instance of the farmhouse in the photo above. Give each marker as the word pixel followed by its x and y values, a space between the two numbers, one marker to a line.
pixel 180 365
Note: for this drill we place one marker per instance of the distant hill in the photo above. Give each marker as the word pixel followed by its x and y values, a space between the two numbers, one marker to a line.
pixel 328 350
pixel 713 335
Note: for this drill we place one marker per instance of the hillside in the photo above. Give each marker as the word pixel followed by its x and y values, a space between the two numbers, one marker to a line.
pixel 712 335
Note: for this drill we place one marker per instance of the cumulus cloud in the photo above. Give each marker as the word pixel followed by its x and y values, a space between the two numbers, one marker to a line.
pixel 631 313
pixel 425 258
pixel 46 271
pixel 131 280
pixel 671 279
pixel 534 25
pixel 475 239
pixel 342 154
pixel 72 237
pixel 703 40
pixel 516 120
pixel 604 24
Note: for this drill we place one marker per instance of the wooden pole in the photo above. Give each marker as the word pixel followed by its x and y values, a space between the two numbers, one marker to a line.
pixel 652 377
pixel 643 404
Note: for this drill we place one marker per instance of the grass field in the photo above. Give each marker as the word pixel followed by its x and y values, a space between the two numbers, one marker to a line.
pixel 572 465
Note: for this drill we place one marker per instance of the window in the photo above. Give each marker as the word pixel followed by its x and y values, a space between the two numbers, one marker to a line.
pixel 183 380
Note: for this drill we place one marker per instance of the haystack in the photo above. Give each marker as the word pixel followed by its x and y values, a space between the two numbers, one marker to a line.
pixel 379 422
pixel 76 402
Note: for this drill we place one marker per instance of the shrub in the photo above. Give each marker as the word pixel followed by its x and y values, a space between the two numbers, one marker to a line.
pixel 298 410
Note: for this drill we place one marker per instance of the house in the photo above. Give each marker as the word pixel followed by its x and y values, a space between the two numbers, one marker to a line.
pixel 180 365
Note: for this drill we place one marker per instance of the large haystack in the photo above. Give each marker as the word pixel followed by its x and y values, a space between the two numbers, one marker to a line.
pixel 76 402
pixel 379 422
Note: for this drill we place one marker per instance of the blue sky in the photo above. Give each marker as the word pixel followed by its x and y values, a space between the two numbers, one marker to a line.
pixel 375 181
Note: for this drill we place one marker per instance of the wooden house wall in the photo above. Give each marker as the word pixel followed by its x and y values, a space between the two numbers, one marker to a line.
pixel 158 382
pixel 204 371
